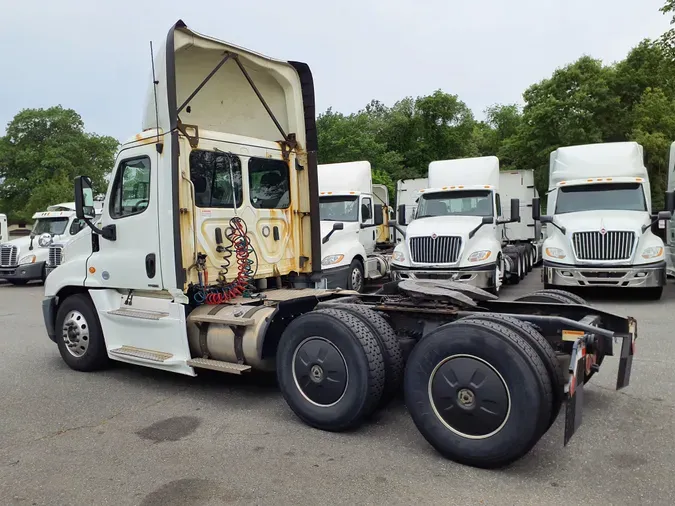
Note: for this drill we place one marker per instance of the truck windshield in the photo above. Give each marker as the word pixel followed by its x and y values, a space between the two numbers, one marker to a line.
pixel 54 226
pixel 339 208
pixel 601 197
pixel 456 203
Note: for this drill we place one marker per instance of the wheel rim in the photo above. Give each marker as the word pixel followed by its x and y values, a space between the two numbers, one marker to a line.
pixel 469 396
pixel 75 333
pixel 356 279
pixel 498 278
pixel 320 371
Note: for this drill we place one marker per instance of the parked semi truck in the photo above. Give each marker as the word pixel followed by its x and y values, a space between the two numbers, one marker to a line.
pixel 25 259
pixel 670 236
pixel 459 228
pixel 352 218
pixel 220 268
pixel 601 229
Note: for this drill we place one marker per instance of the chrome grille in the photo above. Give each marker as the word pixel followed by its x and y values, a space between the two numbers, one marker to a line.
pixel 55 255
pixel 441 250
pixel 608 246
pixel 8 255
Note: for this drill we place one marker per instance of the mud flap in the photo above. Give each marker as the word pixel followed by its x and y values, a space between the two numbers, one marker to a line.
pixel 575 389
pixel 626 360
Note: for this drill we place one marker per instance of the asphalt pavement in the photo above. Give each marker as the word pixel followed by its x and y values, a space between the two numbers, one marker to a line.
pixel 135 436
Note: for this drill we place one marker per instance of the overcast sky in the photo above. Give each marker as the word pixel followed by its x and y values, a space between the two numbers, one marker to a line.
pixel 95 58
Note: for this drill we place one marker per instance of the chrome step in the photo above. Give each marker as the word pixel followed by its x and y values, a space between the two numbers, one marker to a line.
pixel 151 355
pixel 141 314
pixel 217 365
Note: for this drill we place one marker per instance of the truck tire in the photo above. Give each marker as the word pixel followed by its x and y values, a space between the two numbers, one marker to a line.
pixel 516 393
pixel 523 260
pixel 514 273
pixel 79 336
pixel 542 347
pixel 552 296
pixel 572 297
pixel 389 345
pixel 330 369
pixel 355 279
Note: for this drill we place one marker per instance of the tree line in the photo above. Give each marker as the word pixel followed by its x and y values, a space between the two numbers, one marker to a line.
pixel 586 101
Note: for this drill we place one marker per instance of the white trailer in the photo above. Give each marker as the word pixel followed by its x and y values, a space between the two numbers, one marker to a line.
pixel 407 195
pixel 215 262
pixel 4 232
pixel 601 228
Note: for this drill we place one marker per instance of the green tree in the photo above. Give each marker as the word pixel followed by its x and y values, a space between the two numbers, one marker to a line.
pixel 40 154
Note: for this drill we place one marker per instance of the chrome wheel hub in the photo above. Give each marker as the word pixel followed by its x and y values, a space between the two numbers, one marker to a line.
pixel 75 333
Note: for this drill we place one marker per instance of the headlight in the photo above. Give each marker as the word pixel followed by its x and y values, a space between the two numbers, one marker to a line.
pixel 397 256
pixel 28 259
pixel 332 259
pixel 45 240
pixel 555 253
pixel 479 256
pixel 653 252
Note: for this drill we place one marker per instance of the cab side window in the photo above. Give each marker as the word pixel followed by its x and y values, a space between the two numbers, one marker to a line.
pixel 269 183
pixel 131 191
pixel 76 226
pixel 216 178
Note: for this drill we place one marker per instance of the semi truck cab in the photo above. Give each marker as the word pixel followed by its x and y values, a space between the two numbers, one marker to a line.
pixel 458 229
pixel 601 230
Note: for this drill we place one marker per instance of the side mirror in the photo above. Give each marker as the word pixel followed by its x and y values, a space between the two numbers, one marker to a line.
pixel 401 215
pixel 488 220
pixel 338 225
pixel 379 214
pixel 515 211
pixel 84 198
pixel 670 202
pixel 536 209
pixel 665 215
pixel 546 219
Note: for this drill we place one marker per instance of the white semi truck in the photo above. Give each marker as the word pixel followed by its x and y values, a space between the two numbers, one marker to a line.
pixel 216 264
pixel 458 231
pixel 351 220
pixel 601 229
pixel 26 258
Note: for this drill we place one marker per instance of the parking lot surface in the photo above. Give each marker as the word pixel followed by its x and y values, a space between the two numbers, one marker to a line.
pixel 135 436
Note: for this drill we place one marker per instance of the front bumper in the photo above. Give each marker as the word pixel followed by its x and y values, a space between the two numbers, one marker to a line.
pixel 49 315
pixel 481 277
pixel 337 277
pixel 26 272
pixel 642 276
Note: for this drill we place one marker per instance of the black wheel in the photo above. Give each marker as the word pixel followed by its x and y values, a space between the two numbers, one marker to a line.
pixel 355 281
pixel 478 392
pixel 389 345
pixel 523 265
pixel 499 277
pixel 330 369
pixel 652 293
pixel 528 258
pixel 553 296
pixel 79 335
pixel 542 347
pixel 18 282
pixel 515 277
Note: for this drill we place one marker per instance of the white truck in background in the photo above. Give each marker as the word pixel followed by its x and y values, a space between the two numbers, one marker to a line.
pixel 351 221
pixel 601 231
pixel 407 194
pixel 458 230
pixel 25 259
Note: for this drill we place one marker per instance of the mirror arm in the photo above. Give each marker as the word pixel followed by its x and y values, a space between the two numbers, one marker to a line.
pixel 562 229
pixel 325 239
pixel 473 232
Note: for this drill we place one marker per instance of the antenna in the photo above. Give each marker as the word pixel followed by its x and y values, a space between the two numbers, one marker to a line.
pixel 155 82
